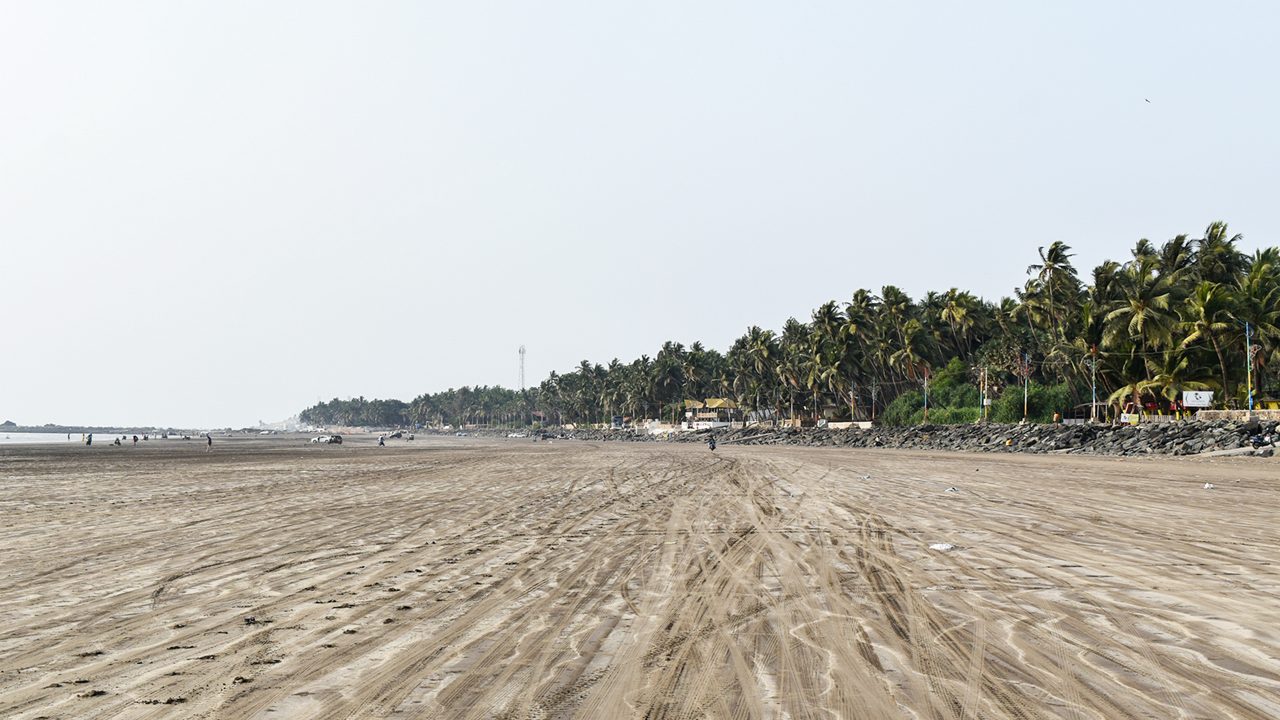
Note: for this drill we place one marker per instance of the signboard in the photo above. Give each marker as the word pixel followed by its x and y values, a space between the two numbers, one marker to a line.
pixel 1130 418
pixel 1197 398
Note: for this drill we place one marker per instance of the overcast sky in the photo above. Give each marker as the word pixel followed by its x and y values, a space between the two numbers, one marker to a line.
pixel 215 213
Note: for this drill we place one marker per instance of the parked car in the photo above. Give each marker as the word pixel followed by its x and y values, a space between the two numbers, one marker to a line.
pixel 327 440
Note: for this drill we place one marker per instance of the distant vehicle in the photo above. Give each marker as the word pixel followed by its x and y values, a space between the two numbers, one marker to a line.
pixel 395 434
pixel 516 435
pixel 265 432
pixel 327 440
pixel 460 434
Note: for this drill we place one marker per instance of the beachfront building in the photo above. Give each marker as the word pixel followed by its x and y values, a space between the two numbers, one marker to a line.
pixel 708 414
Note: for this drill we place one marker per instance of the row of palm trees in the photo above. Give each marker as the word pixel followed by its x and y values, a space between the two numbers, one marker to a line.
pixel 1189 314
pixel 1170 318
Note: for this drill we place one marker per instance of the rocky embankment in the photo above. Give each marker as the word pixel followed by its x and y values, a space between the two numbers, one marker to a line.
pixel 1179 438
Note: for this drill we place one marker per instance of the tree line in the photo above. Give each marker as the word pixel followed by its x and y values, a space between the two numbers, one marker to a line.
pixel 1187 314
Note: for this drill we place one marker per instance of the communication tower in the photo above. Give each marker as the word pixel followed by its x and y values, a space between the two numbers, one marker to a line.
pixel 521 368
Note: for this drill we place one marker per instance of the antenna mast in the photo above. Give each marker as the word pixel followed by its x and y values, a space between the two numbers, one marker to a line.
pixel 522 368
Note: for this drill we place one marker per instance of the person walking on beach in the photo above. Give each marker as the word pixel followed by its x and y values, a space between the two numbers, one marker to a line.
pixel 382 441
pixel 89 440
pixel 209 447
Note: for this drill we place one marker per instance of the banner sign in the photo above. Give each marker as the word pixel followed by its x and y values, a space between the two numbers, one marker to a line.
pixel 1197 398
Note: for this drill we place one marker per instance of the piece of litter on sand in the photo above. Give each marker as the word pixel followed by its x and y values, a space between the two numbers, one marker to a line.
pixel 952 489
pixel 1208 486
pixel 943 547
pixel 866 477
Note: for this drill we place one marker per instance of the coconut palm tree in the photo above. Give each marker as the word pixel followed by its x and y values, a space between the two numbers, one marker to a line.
pixel 763 356
pixel 1142 315
pixel 794 347
pixel 1055 275
pixel 960 312
pixel 1206 315
pixel 1216 257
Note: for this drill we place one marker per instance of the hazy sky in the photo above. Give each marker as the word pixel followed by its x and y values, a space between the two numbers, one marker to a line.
pixel 214 213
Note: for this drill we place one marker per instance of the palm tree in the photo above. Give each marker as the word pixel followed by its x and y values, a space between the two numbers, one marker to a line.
pixel 1206 315
pixel 1172 375
pixel 1177 258
pixel 794 348
pixel 959 312
pixel 913 358
pixel 1055 272
pixel 1216 257
pixel 1142 313
pixel 763 355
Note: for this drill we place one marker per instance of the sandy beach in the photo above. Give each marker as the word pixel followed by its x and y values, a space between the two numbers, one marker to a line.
pixel 468 578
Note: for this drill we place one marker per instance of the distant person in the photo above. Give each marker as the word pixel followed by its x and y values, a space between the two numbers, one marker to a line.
pixel 209 446
pixel 117 442
pixel 89 439
pixel 711 443
pixel 135 441
pixel 382 441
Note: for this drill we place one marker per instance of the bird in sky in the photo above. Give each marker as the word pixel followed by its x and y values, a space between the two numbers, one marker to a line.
pixel 1148 101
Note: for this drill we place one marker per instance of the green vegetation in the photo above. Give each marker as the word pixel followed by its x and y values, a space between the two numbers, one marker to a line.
pixel 1170 318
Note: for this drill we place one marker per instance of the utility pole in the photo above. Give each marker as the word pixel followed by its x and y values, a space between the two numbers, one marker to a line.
pixel 522 383
pixel 1248 360
pixel 1026 383
pixel 926 397
pixel 1093 405
pixel 982 414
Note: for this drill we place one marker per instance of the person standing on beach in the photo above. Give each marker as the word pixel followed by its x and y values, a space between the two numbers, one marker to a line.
pixel 209 447
pixel 89 440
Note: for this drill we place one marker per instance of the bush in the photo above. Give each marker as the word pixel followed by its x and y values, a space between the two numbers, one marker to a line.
pixel 903 408
pixel 908 409
pixel 952 415
pixel 1042 402
pixel 951 387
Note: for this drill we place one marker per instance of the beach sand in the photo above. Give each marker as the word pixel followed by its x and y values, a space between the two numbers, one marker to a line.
pixel 468 578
